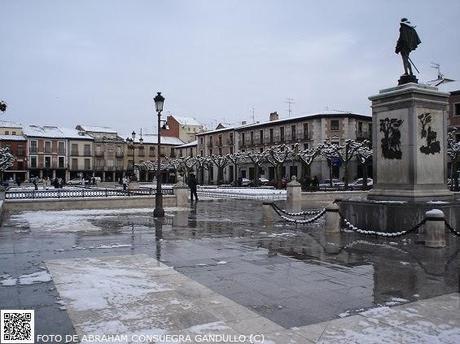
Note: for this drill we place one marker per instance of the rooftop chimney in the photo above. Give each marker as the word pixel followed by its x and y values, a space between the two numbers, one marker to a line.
pixel 243 123
pixel 274 116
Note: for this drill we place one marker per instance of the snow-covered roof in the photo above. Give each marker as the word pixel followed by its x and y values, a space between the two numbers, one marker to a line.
pixel 187 120
pixel 12 138
pixel 50 131
pixel 309 116
pixel 97 129
pixel 8 124
pixel 153 138
pixel 217 130
pixel 190 144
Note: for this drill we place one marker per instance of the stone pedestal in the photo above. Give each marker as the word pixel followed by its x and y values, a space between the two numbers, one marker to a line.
pixel 181 191
pixel 133 186
pixel 409 142
pixel 294 191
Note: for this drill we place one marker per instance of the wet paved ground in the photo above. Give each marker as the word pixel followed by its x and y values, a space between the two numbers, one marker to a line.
pixel 293 277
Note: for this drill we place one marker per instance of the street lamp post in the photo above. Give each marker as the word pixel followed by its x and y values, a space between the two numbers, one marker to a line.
pixel 158 211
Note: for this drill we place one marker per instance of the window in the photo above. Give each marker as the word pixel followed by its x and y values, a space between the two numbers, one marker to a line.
pixel 306 136
pixel 87 150
pixel 282 134
pixel 47 161
pixel 33 146
pixel 87 164
pixel 210 141
pixel 20 150
pixel 201 153
pixel 13 133
pixel 305 146
pixel 20 165
pixel 231 138
pixel 141 151
pixel 261 137
pixel 47 147
pixel 74 164
pixel 220 151
pixel 61 162
pixel 252 138
pixel 152 151
pixel 210 152
pixel 231 150
pixel 293 133
pixel 61 148
pixel 7 132
pixel 334 124
pixel 201 140
pixel 74 149
pixel 271 135
pixel 242 139
pixel 457 109
pixel 360 127
pixel 33 162
pixel 220 140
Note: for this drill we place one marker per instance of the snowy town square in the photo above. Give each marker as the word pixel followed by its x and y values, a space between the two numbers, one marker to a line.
pixel 257 172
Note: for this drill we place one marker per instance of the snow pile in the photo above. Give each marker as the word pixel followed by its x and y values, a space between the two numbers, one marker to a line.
pixel 36 277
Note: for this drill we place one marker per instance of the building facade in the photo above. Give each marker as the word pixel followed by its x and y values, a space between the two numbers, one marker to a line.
pixel 17 145
pixel 80 149
pixel 108 152
pixel 304 131
pixel 184 128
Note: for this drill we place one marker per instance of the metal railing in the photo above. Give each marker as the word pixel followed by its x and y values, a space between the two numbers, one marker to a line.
pixel 82 193
pixel 242 195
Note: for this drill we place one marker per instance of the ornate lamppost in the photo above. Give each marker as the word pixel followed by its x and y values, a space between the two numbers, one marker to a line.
pixel 131 145
pixel 158 211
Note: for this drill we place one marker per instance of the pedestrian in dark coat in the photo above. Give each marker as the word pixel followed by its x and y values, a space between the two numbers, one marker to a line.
pixel 192 184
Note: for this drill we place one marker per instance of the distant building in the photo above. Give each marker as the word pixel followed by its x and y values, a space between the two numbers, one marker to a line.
pixel 306 131
pixel 108 152
pixel 184 128
pixel 187 149
pixel 138 153
pixel 18 147
pixel 454 112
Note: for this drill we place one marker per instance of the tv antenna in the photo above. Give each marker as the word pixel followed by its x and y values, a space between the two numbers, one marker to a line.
pixel 289 101
pixel 441 78
pixel 253 115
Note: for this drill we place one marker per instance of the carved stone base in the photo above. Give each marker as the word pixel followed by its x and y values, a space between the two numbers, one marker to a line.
pixel 405 79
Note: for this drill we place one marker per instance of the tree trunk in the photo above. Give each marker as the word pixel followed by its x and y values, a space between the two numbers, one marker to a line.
pixel 256 173
pixel 346 174
pixel 330 173
pixel 365 176
pixel 235 181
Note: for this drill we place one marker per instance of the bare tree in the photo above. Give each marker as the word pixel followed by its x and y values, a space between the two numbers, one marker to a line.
pixel 3 106
pixel 277 156
pixel 202 163
pixel 236 159
pixel 257 159
pixel 220 161
pixel 453 151
pixel 307 156
pixel 6 159
pixel 364 155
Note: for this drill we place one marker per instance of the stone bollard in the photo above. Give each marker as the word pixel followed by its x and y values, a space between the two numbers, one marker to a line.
pixel 332 218
pixel 294 191
pixel 181 191
pixel 435 229
pixel 267 213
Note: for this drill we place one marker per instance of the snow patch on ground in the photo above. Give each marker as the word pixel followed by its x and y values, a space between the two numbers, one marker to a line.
pixel 36 277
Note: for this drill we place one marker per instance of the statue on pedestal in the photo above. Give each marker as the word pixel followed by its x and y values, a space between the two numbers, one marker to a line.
pixel 408 40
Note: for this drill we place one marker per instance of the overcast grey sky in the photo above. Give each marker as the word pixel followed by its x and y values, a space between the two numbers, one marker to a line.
pixel 101 62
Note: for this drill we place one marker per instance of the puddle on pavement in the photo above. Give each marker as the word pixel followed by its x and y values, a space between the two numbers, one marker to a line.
pixel 293 276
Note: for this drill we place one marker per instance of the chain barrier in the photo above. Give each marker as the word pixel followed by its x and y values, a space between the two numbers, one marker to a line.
pixel 301 213
pixel 452 229
pixel 296 221
pixel 383 234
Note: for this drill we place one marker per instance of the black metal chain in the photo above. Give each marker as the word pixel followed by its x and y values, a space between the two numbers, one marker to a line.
pixel 383 234
pixel 296 221
pixel 301 213
pixel 452 229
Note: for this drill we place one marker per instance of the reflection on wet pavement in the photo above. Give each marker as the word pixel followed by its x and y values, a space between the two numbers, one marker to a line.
pixel 292 276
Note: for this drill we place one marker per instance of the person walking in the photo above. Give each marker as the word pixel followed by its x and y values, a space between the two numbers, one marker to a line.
pixel 192 184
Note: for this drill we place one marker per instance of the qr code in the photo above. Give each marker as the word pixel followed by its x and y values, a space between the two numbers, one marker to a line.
pixel 17 326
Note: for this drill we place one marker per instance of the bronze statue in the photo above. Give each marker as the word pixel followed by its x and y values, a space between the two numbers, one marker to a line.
pixel 408 41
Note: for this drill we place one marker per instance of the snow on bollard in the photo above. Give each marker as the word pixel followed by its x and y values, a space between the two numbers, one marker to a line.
pixel 294 191
pixel 181 191
pixel 332 218
pixel 267 213
pixel 435 231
